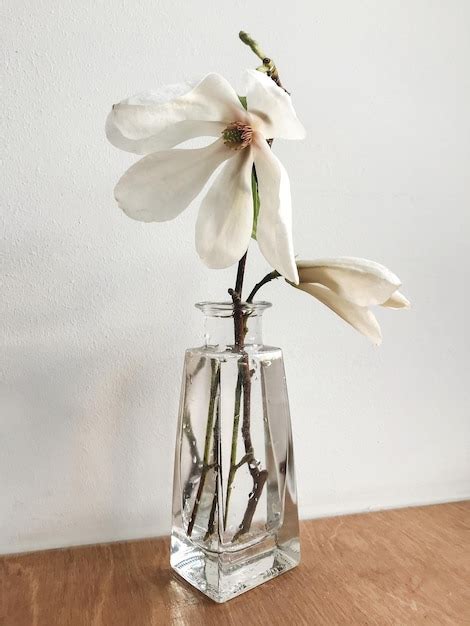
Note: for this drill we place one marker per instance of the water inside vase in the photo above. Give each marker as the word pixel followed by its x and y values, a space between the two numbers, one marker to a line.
pixel 234 508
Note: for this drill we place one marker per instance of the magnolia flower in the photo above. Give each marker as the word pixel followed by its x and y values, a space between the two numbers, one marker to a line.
pixel 349 286
pixel 162 184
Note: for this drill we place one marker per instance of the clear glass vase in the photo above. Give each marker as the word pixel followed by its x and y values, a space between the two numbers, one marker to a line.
pixel 235 522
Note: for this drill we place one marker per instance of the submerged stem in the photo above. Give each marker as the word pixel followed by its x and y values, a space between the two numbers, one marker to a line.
pixel 196 460
pixel 233 451
pixel 214 390
pixel 258 476
pixel 218 472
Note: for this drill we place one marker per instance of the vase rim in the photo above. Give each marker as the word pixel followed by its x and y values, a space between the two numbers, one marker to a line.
pixel 225 309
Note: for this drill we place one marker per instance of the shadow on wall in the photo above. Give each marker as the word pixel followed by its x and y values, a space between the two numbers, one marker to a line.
pixel 85 382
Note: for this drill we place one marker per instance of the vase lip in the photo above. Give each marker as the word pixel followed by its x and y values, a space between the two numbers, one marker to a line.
pixel 225 309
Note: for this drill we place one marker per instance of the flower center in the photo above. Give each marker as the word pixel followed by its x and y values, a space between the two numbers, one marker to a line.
pixel 237 135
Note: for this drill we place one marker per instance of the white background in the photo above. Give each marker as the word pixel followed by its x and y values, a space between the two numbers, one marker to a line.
pixel 97 310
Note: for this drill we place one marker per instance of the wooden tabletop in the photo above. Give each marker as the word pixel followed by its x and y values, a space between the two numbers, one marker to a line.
pixel 403 567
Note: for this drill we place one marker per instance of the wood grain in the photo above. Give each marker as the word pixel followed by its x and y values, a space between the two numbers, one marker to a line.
pixel 403 567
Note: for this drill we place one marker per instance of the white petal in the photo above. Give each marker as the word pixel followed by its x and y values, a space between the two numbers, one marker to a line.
pixel 397 301
pixel 358 280
pixel 145 124
pixel 167 138
pixel 152 143
pixel 274 232
pixel 359 317
pixel 273 106
pixel 163 94
pixel 161 185
pixel 225 220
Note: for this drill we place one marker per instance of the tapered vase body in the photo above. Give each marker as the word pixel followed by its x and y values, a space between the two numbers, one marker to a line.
pixel 235 521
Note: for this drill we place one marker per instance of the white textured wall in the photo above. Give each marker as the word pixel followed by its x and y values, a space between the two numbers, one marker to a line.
pixel 96 309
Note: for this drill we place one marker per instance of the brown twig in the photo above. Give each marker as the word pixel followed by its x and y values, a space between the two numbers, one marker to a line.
pixel 258 476
pixel 268 278
pixel 233 452
pixel 240 275
pixel 196 461
pixel 213 401
pixel 193 451
pixel 218 473
pixel 239 319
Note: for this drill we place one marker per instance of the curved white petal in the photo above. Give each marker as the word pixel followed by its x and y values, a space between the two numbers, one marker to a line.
pixel 161 185
pixel 225 220
pixel 272 106
pixel 167 138
pixel 358 280
pixel 163 94
pixel 397 301
pixel 143 124
pixel 274 231
pixel 359 317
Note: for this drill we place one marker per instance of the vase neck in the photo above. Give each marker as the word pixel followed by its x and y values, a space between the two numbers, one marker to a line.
pixel 220 320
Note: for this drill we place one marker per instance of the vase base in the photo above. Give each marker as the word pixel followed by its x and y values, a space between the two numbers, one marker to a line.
pixel 224 575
